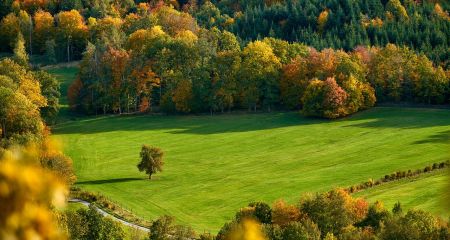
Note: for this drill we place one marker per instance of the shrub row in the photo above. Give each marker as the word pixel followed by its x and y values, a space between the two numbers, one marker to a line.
pixel 397 176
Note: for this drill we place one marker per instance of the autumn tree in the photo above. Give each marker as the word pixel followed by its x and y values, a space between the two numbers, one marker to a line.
pixel 334 210
pixel 90 224
pixel 305 229
pixel 20 54
pixel 117 63
pixel 396 8
pixel 415 224
pixel 225 81
pixel 294 80
pixel 9 29
pixel 182 96
pixel 259 73
pixel 71 26
pixel 286 51
pixel 429 84
pixel 322 20
pixel 151 160
pixel 164 228
pixel 26 197
pixel 375 217
pixel 324 99
pixel 19 117
pixel 43 30
pixel 26 28
pixel 283 213
pixel 28 85
pixel 21 99
pixel 50 89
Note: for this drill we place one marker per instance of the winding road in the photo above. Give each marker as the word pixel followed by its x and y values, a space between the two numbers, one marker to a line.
pixel 105 214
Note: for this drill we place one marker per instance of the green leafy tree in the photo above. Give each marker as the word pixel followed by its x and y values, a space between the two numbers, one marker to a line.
pixel 262 212
pixel 164 229
pixel 333 211
pixel 20 54
pixel 259 72
pixel 87 224
pixel 416 224
pixel 18 116
pixel 50 88
pixel 50 54
pixel 151 160
pixel 303 230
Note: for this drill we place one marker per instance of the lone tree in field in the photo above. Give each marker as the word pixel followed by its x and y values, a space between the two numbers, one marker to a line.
pixel 151 160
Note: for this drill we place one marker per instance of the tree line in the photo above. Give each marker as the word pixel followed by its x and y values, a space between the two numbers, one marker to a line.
pixel 140 57
pixel 336 215
pixel 420 25
pixel 340 24
pixel 172 66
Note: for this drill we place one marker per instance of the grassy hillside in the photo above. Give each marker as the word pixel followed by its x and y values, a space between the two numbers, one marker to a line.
pixel 428 192
pixel 215 165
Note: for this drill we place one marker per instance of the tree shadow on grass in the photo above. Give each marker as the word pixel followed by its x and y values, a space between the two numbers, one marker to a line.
pixel 442 137
pixel 385 117
pixel 402 118
pixel 191 124
pixel 107 181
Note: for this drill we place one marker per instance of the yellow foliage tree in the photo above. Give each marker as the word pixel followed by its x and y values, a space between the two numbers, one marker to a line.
pixel 182 96
pixel 283 213
pixel 27 194
pixel 322 20
pixel 43 28
pixel 247 230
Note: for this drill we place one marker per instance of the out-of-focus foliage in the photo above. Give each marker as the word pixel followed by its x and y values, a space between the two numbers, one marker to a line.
pixel 27 195
pixel 337 215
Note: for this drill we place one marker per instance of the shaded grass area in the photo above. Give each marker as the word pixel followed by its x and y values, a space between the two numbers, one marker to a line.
pixel 65 75
pixel 218 164
pixel 427 191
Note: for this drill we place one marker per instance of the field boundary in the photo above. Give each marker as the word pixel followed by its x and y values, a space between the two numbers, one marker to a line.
pixel 399 175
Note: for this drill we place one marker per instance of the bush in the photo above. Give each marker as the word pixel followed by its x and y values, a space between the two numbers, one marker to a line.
pixel 304 230
pixel 86 224
pixel 324 99
pixel 416 224
pixel 262 212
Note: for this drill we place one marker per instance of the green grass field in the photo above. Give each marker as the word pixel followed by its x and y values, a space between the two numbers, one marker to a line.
pixel 428 192
pixel 215 165
pixel 65 75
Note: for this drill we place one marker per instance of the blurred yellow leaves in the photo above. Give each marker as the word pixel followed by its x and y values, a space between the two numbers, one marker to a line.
pixel 27 195
pixel 248 229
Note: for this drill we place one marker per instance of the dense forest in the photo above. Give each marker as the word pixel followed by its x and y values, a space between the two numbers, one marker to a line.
pixel 341 24
pixel 325 58
pixel 139 57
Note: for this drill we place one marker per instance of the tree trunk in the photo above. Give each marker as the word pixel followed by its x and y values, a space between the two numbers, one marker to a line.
pixel 68 49
pixel 120 106
pixel 31 38
pixel 160 92
pixel 128 103
pixel 3 129
pixel 150 177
